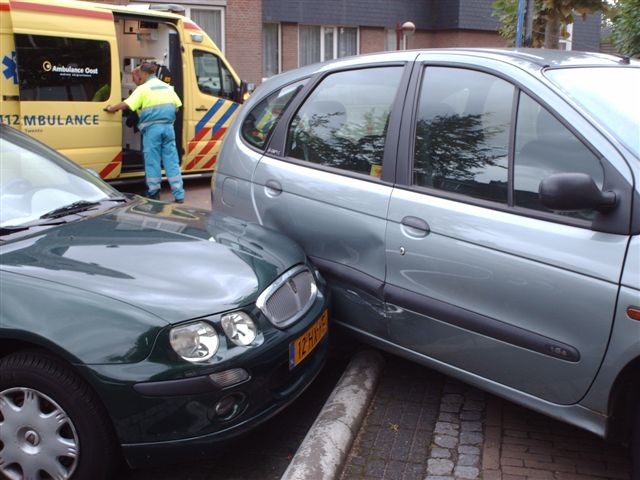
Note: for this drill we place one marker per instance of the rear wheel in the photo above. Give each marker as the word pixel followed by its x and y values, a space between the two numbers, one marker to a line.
pixel 51 423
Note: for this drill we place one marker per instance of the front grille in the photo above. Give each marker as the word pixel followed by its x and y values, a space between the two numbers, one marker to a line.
pixel 289 297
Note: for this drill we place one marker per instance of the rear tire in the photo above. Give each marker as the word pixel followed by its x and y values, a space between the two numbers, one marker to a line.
pixel 51 421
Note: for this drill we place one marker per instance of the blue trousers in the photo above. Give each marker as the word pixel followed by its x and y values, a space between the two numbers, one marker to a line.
pixel 159 144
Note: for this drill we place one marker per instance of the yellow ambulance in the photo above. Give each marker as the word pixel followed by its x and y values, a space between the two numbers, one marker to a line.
pixel 63 62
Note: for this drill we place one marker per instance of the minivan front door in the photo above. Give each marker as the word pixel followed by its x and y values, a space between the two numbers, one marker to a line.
pixel 480 276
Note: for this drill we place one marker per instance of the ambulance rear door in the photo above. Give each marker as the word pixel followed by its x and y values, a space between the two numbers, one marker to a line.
pixel 211 89
pixel 9 104
pixel 67 72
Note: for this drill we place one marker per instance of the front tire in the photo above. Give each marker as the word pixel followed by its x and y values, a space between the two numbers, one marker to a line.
pixel 51 422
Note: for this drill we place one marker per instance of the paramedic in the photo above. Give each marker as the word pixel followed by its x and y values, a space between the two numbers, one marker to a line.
pixel 156 103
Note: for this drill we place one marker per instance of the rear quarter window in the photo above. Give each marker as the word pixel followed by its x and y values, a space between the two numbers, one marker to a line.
pixel 262 119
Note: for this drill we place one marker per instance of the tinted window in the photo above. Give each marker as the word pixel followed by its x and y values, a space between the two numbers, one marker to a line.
pixel 543 147
pixel 212 76
pixel 462 133
pixel 343 123
pixel 260 122
pixel 63 69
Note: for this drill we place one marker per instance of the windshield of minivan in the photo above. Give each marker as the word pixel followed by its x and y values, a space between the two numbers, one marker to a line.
pixel 35 180
pixel 610 94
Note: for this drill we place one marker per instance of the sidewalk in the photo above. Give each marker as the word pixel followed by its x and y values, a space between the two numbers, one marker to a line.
pixel 425 426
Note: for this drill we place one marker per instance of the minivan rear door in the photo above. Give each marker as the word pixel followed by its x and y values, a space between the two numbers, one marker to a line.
pixel 327 176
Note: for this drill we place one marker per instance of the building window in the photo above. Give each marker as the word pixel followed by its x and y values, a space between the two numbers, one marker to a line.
pixel 211 20
pixel 270 49
pixel 391 40
pixel 318 43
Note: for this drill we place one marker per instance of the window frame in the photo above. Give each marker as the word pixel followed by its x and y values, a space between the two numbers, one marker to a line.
pixel 262 150
pixel 510 145
pixel 276 147
pixel 221 65
pixel 279 48
pixel 613 179
pixel 222 45
pixel 335 40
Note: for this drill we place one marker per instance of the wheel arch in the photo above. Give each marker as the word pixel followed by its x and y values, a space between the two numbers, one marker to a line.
pixel 624 397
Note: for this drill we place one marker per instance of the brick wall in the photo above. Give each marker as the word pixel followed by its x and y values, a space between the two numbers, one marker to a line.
pixel 289 46
pixel 243 38
pixel 372 40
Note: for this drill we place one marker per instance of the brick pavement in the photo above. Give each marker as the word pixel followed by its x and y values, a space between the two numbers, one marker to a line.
pixel 424 425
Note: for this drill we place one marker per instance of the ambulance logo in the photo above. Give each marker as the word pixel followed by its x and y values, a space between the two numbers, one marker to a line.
pixel 46 66
pixel 11 70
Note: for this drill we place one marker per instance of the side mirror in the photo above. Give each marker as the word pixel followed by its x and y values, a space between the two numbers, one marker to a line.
pixel 242 92
pixel 573 192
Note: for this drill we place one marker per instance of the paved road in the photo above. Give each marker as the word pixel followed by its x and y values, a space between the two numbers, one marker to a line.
pixel 422 425
pixel 197 190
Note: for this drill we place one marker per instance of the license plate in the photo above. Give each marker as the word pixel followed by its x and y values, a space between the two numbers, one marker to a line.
pixel 302 346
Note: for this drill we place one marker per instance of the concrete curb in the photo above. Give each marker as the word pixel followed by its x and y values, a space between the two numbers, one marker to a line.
pixel 324 450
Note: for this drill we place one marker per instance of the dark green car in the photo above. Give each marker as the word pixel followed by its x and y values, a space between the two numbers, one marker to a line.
pixel 137 326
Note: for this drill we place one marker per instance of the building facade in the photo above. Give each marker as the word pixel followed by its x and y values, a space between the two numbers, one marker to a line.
pixel 262 38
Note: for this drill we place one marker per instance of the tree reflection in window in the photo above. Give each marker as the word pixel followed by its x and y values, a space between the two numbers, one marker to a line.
pixel 343 124
pixel 462 133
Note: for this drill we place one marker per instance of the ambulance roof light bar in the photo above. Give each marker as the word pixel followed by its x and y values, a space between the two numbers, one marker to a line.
pixel 169 7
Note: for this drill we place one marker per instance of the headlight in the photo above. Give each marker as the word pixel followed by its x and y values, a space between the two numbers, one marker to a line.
pixel 194 342
pixel 239 327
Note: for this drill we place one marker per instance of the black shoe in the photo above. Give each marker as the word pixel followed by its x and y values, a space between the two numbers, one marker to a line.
pixel 179 200
pixel 155 196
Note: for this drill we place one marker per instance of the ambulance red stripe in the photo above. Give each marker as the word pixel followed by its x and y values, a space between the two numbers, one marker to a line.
pixel 111 166
pixel 38 7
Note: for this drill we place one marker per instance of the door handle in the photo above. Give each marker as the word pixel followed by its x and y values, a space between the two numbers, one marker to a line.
pixel 201 109
pixel 419 228
pixel 273 188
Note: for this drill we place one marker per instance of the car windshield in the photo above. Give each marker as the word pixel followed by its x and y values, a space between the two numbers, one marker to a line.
pixel 37 182
pixel 610 94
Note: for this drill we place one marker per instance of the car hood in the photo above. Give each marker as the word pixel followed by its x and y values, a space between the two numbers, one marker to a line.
pixel 175 262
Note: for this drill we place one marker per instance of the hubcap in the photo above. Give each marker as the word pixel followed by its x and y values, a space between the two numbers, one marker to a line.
pixel 37 438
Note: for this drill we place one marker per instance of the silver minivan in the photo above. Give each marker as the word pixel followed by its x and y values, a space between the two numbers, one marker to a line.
pixel 477 211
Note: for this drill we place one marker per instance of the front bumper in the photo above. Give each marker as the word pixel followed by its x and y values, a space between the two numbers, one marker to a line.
pixel 174 419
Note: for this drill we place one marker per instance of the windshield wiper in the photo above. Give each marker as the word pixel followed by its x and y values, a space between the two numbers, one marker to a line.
pixel 10 229
pixel 75 207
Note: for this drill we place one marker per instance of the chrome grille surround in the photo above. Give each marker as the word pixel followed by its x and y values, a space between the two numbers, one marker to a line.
pixel 287 299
